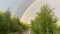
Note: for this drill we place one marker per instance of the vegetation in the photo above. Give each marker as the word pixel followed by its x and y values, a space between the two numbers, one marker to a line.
pixel 57 31
pixel 45 21
pixel 10 24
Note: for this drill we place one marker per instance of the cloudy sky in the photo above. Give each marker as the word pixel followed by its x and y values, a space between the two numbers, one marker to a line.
pixel 4 4
pixel 27 8
pixel 30 13
pixel 16 6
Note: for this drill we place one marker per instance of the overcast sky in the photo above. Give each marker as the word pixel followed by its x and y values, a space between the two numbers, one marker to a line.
pixel 4 4
pixel 16 6
pixel 30 13
pixel 28 7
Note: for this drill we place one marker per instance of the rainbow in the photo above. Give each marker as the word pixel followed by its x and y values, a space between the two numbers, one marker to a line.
pixel 26 11
pixel 16 8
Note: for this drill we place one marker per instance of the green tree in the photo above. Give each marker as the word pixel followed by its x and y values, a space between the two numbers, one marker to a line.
pixel 15 25
pixel 45 21
pixel 7 18
pixel 1 22
pixel 10 25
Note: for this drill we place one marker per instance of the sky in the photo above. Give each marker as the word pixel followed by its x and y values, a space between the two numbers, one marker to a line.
pixel 26 9
pixel 35 7
pixel 17 7
pixel 4 4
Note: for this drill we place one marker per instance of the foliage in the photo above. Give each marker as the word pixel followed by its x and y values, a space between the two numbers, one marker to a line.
pixel 57 31
pixel 58 27
pixel 9 25
pixel 45 21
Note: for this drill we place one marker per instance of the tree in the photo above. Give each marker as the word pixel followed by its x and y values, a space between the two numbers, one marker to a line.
pixel 7 19
pixel 1 22
pixel 45 21
pixel 9 25
pixel 15 25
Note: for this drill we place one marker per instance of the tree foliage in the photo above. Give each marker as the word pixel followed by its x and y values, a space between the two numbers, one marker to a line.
pixel 9 25
pixel 45 21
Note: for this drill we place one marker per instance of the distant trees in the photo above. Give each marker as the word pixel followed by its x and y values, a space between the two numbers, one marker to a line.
pixel 9 25
pixel 45 21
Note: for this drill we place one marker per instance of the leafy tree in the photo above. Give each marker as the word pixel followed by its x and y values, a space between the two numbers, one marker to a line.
pixel 6 21
pixel 15 24
pixel 1 22
pixel 45 21
pixel 9 25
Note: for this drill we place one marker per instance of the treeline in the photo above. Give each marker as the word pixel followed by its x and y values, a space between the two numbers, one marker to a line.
pixel 10 24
